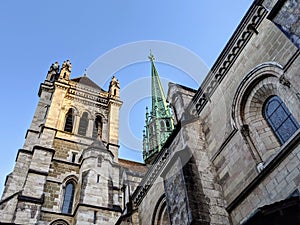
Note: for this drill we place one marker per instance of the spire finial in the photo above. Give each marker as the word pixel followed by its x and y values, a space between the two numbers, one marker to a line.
pixel 151 56
pixel 85 73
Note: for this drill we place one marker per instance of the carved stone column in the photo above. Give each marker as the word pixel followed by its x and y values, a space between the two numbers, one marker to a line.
pixel 254 152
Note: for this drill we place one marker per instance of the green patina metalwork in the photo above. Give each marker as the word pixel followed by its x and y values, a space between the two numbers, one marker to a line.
pixel 159 122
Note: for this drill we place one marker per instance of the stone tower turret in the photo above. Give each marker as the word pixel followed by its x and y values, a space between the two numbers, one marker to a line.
pixel 114 105
pixel 65 71
pixel 67 169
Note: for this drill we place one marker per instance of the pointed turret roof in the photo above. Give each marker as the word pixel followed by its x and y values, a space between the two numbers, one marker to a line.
pixel 159 122
pixel 159 102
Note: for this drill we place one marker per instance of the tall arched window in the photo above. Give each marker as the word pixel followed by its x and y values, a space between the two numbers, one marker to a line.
pixel 83 124
pixel 69 121
pixel 68 198
pixel 97 129
pixel 282 122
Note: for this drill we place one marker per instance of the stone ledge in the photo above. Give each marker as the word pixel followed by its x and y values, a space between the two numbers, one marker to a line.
pixel 24 198
pixel 38 172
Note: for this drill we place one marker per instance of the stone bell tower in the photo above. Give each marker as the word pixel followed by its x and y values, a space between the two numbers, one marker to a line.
pixel 67 172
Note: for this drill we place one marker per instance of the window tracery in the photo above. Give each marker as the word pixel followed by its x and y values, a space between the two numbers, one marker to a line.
pixel 280 119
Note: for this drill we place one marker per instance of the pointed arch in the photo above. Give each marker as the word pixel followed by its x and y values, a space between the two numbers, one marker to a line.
pixel 83 124
pixel 69 120
pixel 248 107
pixel 98 127
pixel 69 193
pixel 160 215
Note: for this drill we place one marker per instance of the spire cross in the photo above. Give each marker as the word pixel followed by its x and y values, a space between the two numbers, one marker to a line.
pixel 151 56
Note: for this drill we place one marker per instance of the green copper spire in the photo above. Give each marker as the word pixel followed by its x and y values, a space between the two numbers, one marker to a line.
pixel 159 122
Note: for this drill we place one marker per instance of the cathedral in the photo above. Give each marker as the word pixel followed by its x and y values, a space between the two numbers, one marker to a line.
pixel 225 154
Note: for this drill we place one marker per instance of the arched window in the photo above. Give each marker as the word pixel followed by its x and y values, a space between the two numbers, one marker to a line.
pixel 160 216
pixel 83 124
pixel 68 198
pixel 69 121
pixel 97 129
pixel 282 122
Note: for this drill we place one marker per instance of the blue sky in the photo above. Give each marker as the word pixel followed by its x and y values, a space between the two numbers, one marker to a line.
pixel 35 34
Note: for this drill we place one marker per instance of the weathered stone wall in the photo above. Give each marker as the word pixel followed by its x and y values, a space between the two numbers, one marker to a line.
pixel 89 215
pixel 201 200
pixel 287 19
pixel 146 209
pixel 237 159
pixel 179 97
pixel 217 115
pixel 48 218
pixel 16 179
pixel 278 185
pixel 269 45
pixel 235 167
pixel 27 213
pixel 65 149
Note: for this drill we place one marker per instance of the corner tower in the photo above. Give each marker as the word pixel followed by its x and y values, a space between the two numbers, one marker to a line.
pixel 159 122
pixel 67 172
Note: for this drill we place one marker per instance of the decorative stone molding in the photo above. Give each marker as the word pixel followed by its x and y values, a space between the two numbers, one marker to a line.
pixel 85 95
pixel 60 85
pixel 45 87
pixel 260 72
pixel 89 103
pixel 284 81
pixel 238 41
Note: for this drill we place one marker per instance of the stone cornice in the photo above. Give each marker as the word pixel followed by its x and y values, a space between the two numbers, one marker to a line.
pixel 115 102
pixel 38 147
pixel 10 197
pixel 30 130
pixel 87 95
pixel 61 85
pixel 234 47
pixel 85 101
pixel 30 199
pixel 45 87
pixel 38 172
pixel 85 88
pixel 25 151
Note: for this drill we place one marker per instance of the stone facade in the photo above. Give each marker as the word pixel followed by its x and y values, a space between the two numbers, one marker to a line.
pixel 227 161
pixel 68 170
